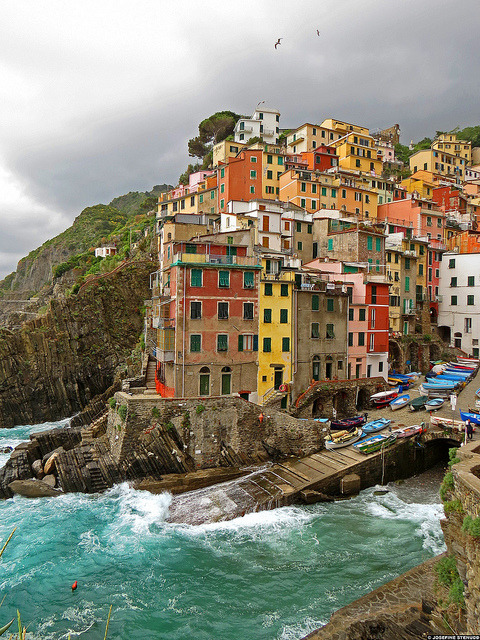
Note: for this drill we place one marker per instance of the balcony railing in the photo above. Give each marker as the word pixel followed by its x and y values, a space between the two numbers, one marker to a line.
pixel 209 258
pixel 163 355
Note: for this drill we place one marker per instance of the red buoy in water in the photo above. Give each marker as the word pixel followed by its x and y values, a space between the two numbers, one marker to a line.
pixel 74 585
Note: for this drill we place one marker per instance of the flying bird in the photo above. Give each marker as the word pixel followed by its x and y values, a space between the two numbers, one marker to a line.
pixel 318 32
pixel 278 42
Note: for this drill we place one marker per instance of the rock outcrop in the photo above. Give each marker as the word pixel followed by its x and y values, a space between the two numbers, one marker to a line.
pixel 461 527
pixel 56 363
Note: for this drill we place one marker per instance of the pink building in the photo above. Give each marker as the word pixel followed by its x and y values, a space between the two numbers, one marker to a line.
pixel 367 354
pixel 423 217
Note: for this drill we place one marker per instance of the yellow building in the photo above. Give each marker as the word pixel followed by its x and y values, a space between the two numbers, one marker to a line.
pixel 356 152
pixel 183 200
pixel 344 127
pixel 275 335
pixel 439 162
pixel 310 136
pixel 449 143
pixel 423 182
pixel 226 149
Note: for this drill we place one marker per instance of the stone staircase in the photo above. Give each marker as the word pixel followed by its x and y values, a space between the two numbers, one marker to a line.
pixel 150 374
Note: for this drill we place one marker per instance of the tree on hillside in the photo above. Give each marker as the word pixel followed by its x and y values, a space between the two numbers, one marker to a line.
pixel 211 131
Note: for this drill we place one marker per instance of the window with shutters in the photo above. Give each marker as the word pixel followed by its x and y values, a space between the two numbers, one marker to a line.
pixel 330 244
pixel 283 316
pixel 223 310
pixel 284 290
pixel 350 314
pixel 315 330
pixel 222 342
pixel 268 291
pixel 267 345
pixel 470 300
pixel 471 281
pixel 362 315
pixel 350 339
pixel 330 304
pixel 196 278
pixel 330 332
pixel 248 310
pixel 361 339
pixel 224 279
pixel 267 315
pixel 378 244
pixel 195 310
pixel 285 344
pixel 315 302
pixel 195 343
pixel 248 279
pixel 369 243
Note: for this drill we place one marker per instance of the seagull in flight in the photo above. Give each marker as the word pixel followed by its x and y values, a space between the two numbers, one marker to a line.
pixel 278 42
pixel 318 32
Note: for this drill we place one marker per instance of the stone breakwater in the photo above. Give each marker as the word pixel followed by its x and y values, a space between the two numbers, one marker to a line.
pixel 147 438
pixel 53 365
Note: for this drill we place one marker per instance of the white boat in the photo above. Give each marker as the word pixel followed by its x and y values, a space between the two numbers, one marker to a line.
pixel 399 402
pixel 343 439
pixel 434 404
pixel 414 430
pixel 384 397
pixel 456 425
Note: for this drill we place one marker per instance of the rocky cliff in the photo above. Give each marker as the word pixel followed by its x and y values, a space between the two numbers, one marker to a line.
pixel 461 527
pixel 54 364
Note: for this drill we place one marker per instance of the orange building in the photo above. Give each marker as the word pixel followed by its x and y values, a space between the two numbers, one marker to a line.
pixel 423 217
pixel 465 242
pixel 240 178
pixel 313 191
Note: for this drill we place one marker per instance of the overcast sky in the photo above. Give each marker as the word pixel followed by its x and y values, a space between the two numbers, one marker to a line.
pixel 99 97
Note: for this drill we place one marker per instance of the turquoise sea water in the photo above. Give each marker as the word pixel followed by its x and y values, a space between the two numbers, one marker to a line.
pixel 271 575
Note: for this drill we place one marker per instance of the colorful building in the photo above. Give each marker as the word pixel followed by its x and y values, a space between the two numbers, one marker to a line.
pixel 207 339
pixel 264 124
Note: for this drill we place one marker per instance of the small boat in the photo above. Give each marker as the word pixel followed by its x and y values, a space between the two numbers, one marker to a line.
pixel 348 423
pixel 474 361
pixel 406 432
pixel 382 398
pixel 375 443
pixel 343 439
pixel 322 420
pixel 439 385
pixel 450 423
pixel 462 365
pixel 473 417
pixel 418 403
pixel 399 402
pixel 434 404
pixel 375 425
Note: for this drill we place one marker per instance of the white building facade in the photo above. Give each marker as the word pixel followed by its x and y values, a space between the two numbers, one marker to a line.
pixel 459 300
pixel 264 124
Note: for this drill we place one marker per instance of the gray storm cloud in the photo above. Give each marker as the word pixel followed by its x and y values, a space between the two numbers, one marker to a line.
pixel 101 98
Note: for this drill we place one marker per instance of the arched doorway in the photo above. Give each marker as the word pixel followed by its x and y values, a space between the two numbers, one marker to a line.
pixel 433 315
pixel 318 408
pixel 457 340
pixel 445 334
pixel 226 388
pixel 435 352
pixel 395 355
pixel 204 386
pixel 363 399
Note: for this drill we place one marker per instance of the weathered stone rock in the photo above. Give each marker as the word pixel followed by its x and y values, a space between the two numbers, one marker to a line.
pixel 50 463
pixel 50 480
pixel 37 468
pixel 33 489
pixel 351 484
pixel 49 455
pixel 54 364
pixel 311 497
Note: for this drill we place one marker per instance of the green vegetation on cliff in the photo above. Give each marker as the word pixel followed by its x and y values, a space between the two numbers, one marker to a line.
pixel 121 221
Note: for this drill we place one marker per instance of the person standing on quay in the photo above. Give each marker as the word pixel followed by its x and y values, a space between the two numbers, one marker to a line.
pixel 469 430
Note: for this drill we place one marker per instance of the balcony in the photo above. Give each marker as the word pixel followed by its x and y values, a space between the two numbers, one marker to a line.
pixel 159 322
pixel 279 276
pixel 163 356
pixel 209 258
pixel 409 312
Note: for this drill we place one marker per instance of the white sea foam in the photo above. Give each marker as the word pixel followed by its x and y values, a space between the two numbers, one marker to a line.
pixel 301 629
pixel 139 510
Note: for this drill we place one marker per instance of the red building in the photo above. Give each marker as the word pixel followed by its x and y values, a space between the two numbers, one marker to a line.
pixel 241 178
pixel 208 321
